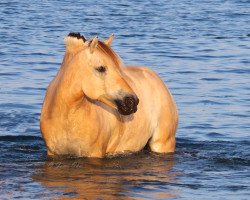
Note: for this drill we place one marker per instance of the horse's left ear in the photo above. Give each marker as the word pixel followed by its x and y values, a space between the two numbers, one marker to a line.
pixel 109 41
pixel 93 44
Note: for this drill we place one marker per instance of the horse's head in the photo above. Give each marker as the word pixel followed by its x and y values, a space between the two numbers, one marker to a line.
pixel 99 70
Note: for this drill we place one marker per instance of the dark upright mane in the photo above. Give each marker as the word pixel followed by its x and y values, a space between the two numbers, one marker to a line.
pixel 77 35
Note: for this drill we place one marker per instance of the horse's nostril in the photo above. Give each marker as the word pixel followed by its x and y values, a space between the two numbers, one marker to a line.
pixel 127 105
pixel 131 101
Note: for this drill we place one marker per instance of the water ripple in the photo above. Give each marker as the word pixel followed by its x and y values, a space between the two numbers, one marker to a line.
pixel 199 48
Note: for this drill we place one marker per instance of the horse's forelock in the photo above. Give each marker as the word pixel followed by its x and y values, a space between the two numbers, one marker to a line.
pixel 108 51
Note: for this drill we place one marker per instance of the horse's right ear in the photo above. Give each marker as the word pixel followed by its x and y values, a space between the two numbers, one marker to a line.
pixel 109 40
pixel 93 44
pixel 74 41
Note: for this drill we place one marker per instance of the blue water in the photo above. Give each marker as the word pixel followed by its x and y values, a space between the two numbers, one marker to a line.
pixel 201 49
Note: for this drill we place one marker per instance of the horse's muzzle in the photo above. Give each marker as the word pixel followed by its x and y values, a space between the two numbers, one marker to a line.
pixel 127 105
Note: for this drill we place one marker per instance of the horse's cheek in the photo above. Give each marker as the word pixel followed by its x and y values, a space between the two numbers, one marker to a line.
pixel 87 89
pixel 92 88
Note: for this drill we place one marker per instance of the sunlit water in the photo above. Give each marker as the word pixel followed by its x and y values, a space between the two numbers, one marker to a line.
pixel 201 49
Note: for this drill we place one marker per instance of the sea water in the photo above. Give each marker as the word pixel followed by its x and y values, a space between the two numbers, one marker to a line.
pixel 201 49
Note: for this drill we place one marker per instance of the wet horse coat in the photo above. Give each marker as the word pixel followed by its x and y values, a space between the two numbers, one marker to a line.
pixel 97 106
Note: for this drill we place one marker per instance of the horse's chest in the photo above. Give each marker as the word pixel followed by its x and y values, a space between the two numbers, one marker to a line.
pixel 132 138
pixel 82 137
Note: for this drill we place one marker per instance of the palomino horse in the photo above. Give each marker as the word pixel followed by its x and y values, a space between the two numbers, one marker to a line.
pixel 96 106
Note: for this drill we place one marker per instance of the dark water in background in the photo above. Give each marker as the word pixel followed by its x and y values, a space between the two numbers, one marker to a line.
pixel 201 49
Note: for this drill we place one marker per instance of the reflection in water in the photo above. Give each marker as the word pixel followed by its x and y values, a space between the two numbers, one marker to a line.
pixel 135 176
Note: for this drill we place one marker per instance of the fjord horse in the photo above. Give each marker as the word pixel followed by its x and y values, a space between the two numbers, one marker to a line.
pixel 96 106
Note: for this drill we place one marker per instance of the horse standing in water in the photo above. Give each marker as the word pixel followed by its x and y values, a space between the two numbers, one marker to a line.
pixel 96 106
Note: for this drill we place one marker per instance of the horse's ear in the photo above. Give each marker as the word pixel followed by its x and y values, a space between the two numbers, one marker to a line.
pixel 93 44
pixel 74 41
pixel 109 41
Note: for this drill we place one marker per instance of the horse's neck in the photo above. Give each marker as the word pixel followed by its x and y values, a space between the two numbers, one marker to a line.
pixel 69 54
pixel 67 81
pixel 63 97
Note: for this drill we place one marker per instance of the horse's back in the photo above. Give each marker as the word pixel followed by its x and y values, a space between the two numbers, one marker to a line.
pixel 151 88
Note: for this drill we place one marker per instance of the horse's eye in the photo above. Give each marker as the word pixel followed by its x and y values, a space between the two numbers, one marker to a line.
pixel 101 69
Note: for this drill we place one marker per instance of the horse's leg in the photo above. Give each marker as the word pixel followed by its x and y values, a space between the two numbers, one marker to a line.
pixel 163 138
pixel 49 153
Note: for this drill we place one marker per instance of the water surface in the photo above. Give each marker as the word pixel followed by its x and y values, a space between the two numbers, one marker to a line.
pixel 201 49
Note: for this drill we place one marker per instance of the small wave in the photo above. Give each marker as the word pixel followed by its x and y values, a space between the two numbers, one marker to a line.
pixel 213 102
pixel 214 135
pixel 10 74
pixel 221 37
pixel 235 71
pixel 232 161
pixel 20 138
pixel 17 105
pixel 211 79
pixel 187 72
pixel 223 154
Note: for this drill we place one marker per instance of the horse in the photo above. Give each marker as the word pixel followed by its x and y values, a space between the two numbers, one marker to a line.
pixel 96 106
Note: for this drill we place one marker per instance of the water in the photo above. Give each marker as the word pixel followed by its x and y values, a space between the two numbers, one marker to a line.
pixel 201 49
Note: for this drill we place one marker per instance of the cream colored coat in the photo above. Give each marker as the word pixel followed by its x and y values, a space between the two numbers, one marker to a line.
pixel 80 118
